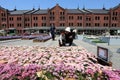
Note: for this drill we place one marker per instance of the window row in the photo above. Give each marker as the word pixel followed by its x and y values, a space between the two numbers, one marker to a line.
pixel 53 13
pixel 63 18
pixel 26 19
pixel 62 24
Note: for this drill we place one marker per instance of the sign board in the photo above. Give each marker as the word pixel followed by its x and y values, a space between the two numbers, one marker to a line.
pixel 118 31
pixel 102 54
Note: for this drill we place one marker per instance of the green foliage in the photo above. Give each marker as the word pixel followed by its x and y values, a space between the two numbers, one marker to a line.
pixel 1 34
pixel 49 75
pixel 98 41
pixel 95 76
pixel 40 78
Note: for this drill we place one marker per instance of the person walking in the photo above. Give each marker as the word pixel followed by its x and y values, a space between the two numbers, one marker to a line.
pixel 52 31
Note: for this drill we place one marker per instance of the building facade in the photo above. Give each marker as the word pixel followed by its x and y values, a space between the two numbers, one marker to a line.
pixel 89 21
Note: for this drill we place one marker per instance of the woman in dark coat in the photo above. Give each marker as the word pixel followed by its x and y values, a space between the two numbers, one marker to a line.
pixel 52 31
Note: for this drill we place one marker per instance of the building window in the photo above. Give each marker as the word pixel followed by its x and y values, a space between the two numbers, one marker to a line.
pixel 79 24
pixel 62 13
pixel 115 13
pixel 3 19
pixel 62 24
pixel 88 24
pixel 11 18
pixel 52 24
pixel 88 19
pixel 18 18
pixel 43 24
pixel 35 24
pixel 27 24
pixel 3 14
pixel 52 18
pixel 70 24
pixel 19 25
pixel 3 25
pixel 105 24
pixel 114 25
pixel 62 18
pixel 35 18
pixel 43 18
pixel 27 19
pixel 97 24
pixel 97 18
pixel 114 18
pixel 106 18
pixel 71 17
pixel 79 17
pixel 11 25
pixel 52 13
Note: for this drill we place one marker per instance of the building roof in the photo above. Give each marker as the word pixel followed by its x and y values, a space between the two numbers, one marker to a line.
pixel 99 11
pixel 18 12
pixel 95 11
pixel 69 11
pixel 2 8
pixel 116 6
pixel 72 11
pixel 30 12
pixel 75 11
pixel 41 11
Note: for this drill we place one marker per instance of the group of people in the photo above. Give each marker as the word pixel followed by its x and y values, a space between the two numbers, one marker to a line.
pixel 66 36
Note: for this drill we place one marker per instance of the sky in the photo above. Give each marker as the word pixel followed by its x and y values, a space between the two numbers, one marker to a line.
pixel 70 4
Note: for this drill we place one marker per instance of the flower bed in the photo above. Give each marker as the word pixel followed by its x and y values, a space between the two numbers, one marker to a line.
pixel 29 37
pixel 9 37
pixel 53 63
pixel 42 38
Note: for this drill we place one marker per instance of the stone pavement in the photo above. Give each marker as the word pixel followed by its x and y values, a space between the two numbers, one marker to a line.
pixel 77 42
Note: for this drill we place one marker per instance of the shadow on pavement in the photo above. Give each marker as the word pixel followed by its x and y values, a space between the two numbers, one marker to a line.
pixel 118 51
pixel 73 44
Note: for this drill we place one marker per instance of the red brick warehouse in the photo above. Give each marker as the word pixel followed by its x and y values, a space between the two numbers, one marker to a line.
pixel 90 21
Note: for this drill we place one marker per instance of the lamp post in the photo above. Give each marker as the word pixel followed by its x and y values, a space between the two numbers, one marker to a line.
pixel 108 36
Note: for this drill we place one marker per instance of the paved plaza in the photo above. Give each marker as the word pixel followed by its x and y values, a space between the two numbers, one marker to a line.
pixel 115 57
